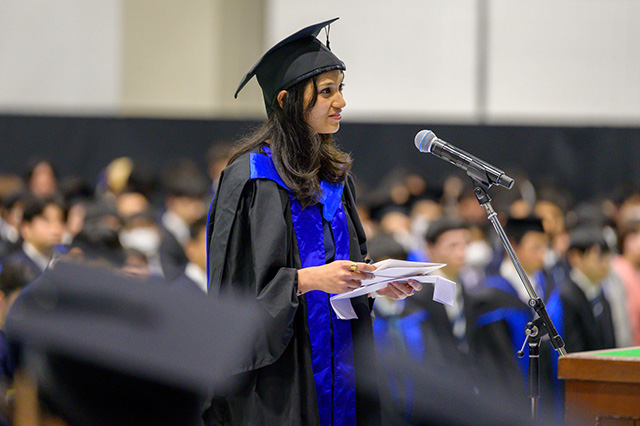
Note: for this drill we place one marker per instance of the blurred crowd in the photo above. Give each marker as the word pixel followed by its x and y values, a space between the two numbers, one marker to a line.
pixel 583 258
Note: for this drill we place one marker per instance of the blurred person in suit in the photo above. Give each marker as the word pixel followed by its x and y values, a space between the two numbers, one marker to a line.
pixel 41 230
pixel 588 323
pixel 186 188
pixel 194 277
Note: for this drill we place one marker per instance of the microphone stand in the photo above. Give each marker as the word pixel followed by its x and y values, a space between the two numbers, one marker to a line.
pixel 480 188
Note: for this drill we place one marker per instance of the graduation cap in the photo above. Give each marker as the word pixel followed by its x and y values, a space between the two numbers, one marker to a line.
pixel 106 349
pixel 296 58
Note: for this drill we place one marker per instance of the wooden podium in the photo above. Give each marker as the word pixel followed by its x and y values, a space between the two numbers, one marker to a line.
pixel 602 387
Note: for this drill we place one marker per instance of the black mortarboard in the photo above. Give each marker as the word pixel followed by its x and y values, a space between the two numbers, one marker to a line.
pixel 106 349
pixel 296 58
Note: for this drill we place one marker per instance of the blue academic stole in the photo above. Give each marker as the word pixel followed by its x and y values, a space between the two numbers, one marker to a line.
pixel 331 340
pixel 517 319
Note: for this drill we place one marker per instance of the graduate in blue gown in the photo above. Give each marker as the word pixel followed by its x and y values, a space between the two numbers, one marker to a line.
pixel 502 314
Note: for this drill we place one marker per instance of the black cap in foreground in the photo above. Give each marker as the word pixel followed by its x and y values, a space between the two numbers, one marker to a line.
pixel 296 58
pixel 106 349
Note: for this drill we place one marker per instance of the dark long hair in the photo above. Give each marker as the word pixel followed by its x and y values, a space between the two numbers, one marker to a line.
pixel 301 156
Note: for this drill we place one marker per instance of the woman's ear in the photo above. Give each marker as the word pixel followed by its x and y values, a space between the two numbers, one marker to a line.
pixel 280 97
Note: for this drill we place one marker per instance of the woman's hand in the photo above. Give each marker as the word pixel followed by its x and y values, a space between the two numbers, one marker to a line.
pixel 336 277
pixel 399 290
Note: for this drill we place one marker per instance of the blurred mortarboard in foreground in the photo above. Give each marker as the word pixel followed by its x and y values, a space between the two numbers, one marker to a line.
pixel 106 349
pixel 296 58
pixel 444 393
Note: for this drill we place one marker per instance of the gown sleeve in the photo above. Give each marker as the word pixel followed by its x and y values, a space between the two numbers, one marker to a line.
pixel 250 256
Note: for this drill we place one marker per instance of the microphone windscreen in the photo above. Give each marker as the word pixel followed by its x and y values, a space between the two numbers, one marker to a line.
pixel 424 139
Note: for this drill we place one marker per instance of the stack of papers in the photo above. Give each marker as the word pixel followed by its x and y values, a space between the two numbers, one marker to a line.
pixel 391 270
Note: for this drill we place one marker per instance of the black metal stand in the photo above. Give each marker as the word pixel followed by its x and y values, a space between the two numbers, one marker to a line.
pixel 544 321
pixel 534 332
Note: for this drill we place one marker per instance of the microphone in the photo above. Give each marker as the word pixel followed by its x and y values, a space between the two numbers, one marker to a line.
pixel 427 141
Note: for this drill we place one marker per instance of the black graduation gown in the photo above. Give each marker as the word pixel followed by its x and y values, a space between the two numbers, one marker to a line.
pixel 436 330
pixel 501 318
pixel 253 249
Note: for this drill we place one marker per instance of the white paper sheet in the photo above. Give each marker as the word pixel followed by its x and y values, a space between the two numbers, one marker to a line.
pixel 395 270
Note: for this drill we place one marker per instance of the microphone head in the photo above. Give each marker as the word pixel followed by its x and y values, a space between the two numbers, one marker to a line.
pixel 424 139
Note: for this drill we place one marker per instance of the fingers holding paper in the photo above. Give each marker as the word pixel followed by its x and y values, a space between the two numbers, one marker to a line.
pixel 336 277
pixel 399 290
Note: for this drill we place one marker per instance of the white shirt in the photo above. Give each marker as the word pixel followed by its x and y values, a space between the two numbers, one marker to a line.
pixel 589 288
pixel 38 258
pixel 508 271
pixel 177 226
pixel 196 274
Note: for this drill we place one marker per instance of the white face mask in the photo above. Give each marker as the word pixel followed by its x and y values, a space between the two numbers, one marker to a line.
pixel 146 240
pixel 478 254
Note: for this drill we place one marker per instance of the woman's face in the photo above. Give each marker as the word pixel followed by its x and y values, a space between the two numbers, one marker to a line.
pixel 325 116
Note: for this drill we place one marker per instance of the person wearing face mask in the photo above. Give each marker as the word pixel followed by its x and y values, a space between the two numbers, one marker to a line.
pixel 284 229
pixel 142 233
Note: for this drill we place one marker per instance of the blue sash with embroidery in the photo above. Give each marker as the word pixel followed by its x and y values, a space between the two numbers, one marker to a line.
pixel 331 340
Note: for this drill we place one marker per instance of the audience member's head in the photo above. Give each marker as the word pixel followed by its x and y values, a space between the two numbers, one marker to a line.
pixel 217 158
pixel 551 207
pixel 469 209
pixel 98 241
pixel 629 241
pixel 41 178
pixel 529 241
pixel 131 203
pixel 186 187
pixel 141 232
pixel 43 222
pixel 383 246
pixel 447 241
pixel 589 252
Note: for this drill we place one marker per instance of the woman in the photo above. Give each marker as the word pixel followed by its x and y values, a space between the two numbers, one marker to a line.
pixel 284 229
